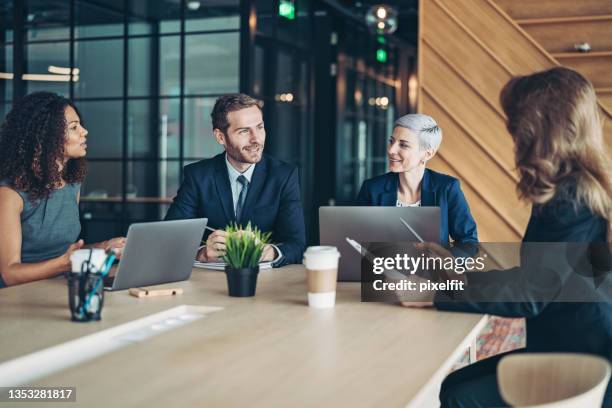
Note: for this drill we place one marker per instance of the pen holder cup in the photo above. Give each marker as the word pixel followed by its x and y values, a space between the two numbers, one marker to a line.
pixel 85 296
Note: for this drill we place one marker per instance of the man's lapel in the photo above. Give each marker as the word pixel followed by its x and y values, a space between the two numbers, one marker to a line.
pixel 224 190
pixel 257 182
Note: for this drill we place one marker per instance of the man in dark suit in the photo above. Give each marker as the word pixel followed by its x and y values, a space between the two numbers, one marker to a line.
pixel 243 185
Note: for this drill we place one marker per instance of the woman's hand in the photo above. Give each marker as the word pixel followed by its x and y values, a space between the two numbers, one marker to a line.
pixel 415 297
pixel 117 244
pixel 434 250
pixel 64 260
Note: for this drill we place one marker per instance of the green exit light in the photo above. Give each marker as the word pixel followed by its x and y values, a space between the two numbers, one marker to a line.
pixel 286 8
pixel 381 55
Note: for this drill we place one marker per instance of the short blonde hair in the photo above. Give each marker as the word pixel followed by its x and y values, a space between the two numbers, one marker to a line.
pixel 425 127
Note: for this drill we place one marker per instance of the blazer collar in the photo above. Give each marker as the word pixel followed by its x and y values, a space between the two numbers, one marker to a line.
pixel 224 190
pixel 257 182
pixel 389 197
pixel 428 193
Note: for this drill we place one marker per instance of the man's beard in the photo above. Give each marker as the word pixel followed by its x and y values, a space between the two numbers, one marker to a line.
pixel 243 156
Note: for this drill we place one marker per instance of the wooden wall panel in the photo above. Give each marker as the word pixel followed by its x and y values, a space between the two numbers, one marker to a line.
pixel 490 227
pixel 597 69
pixel 504 40
pixel 477 169
pixel 520 9
pixel 468 50
pixel 470 110
pixel 441 33
pixel 561 37
pixel 606 100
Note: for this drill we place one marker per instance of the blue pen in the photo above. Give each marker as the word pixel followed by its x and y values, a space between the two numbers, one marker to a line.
pixel 105 269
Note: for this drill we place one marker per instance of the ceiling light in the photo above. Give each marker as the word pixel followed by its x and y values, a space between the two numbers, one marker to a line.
pixel 381 19
pixel 193 5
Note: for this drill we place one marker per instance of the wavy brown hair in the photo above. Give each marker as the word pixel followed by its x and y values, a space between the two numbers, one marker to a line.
pixel 32 140
pixel 554 120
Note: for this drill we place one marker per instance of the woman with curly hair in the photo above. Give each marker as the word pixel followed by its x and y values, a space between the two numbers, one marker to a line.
pixel 42 165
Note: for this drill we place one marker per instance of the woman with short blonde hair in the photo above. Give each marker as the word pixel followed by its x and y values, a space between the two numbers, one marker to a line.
pixel 409 183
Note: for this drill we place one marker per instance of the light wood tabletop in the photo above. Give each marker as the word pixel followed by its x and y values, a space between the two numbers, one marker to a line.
pixel 268 350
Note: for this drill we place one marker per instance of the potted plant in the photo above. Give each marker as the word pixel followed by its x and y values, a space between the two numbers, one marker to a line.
pixel 243 249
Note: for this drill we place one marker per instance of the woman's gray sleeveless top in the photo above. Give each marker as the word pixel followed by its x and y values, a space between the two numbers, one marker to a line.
pixel 49 225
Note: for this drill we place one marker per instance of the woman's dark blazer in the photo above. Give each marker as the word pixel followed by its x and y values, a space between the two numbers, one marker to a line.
pixel 437 190
pixel 579 327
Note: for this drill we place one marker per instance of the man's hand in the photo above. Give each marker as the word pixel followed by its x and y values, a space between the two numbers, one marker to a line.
pixel 268 254
pixel 215 247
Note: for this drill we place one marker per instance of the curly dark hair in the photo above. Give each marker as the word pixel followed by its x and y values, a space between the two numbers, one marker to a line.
pixel 31 143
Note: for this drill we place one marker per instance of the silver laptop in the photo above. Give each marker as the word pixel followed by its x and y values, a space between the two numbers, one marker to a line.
pixel 158 252
pixel 374 224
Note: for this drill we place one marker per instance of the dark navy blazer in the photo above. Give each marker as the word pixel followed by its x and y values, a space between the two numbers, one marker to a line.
pixel 578 327
pixel 272 202
pixel 437 190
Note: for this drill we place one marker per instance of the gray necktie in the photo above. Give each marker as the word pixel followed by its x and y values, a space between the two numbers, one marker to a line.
pixel 240 204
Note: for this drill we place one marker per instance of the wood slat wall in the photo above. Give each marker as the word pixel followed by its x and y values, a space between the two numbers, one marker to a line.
pixel 522 9
pixel 501 37
pixel 561 37
pixel 597 69
pixel 606 100
pixel 468 50
pixel 491 228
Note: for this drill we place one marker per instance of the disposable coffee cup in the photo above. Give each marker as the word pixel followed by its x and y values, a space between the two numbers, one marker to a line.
pixel 321 264
pixel 95 256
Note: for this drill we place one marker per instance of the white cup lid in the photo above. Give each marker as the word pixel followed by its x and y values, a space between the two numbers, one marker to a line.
pixel 322 250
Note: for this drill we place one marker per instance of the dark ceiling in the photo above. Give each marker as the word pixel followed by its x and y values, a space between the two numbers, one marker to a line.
pixel 407 29
pixel 56 12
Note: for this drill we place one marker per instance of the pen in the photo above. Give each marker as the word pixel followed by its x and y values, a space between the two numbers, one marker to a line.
pixel 411 229
pixel 427 250
pixel 393 273
pixel 362 251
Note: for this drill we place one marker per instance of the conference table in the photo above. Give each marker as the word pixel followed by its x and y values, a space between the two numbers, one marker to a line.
pixel 267 350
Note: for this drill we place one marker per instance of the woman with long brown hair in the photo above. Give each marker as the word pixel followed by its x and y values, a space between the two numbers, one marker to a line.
pixel 565 174
pixel 42 164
